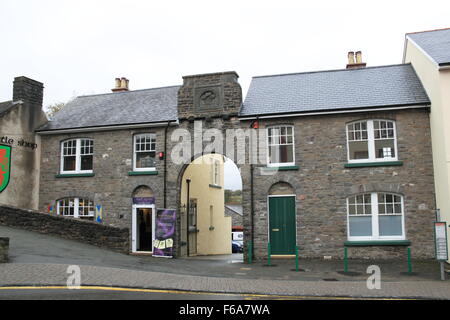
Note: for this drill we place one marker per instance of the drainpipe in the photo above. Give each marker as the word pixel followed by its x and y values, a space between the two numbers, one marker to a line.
pixel 188 182
pixel 252 206
pixel 165 165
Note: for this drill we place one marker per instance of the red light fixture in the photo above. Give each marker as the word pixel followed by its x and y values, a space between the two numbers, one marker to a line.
pixel 161 155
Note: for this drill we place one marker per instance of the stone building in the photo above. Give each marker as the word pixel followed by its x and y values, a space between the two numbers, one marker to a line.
pixel 327 159
pixel 19 167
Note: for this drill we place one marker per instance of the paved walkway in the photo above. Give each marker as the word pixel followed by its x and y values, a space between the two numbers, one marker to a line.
pixel 43 260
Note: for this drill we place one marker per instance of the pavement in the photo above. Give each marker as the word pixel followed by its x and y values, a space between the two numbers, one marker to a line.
pixel 43 260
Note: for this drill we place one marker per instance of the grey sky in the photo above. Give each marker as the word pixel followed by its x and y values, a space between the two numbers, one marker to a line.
pixel 78 47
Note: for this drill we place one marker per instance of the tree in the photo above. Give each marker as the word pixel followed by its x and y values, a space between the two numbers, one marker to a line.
pixel 54 108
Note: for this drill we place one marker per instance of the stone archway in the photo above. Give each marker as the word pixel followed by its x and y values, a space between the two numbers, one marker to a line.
pixel 204 228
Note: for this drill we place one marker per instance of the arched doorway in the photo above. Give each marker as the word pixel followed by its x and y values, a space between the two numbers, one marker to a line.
pixel 143 220
pixel 205 229
pixel 282 219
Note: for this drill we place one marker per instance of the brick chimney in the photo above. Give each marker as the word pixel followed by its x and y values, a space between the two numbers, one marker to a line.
pixel 121 85
pixel 352 64
pixel 29 91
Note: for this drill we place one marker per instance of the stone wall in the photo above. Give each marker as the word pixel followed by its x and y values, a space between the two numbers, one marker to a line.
pixel 93 233
pixel 4 248
pixel 322 184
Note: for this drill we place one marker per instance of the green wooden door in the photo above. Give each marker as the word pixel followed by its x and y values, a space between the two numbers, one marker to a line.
pixel 282 228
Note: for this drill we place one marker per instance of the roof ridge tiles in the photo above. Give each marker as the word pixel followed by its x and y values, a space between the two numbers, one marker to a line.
pixel 331 70
pixel 125 92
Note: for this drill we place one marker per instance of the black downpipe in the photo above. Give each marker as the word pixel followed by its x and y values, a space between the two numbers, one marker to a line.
pixel 165 165
pixel 252 206
pixel 188 182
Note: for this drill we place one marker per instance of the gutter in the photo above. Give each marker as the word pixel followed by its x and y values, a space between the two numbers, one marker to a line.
pixel 107 127
pixel 287 115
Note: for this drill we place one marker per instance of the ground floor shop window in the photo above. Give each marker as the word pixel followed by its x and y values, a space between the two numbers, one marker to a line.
pixel 76 207
pixel 376 216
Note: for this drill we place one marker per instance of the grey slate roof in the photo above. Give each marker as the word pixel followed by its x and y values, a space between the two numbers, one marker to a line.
pixel 236 208
pixel 435 43
pixel 334 90
pixel 5 106
pixel 120 108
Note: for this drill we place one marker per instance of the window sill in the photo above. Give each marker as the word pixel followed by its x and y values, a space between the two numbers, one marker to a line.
pixel 215 186
pixel 74 175
pixel 143 173
pixel 377 243
pixel 281 168
pixel 374 164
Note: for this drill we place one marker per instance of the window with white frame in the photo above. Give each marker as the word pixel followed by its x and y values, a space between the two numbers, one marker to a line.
pixel 376 216
pixel 371 140
pixel 77 156
pixel 76 207
pixel 144 152
pixel 280 145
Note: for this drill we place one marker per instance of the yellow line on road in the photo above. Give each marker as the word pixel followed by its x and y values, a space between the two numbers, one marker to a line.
pixel 247 296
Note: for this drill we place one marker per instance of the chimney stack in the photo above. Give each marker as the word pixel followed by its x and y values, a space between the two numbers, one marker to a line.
pixel 121 85
pixel 29 91
pixel 352 64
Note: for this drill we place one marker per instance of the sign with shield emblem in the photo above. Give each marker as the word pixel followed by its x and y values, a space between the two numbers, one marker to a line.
pixel 5 166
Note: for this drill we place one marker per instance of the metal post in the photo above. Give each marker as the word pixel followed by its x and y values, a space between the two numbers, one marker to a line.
pixel 345 260
pixel 409 261
pixel 296 258
pixel 442 271
pixel 250 253
pixel 268 254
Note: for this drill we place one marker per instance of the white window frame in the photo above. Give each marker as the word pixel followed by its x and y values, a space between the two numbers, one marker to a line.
pixel 135 151
pixel 375 219
pixel 280 164
pixel 76 207
pixel 371 142
pixel 77 157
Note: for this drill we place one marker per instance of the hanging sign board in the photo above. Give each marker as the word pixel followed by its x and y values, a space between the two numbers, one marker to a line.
pixel 165 222
pixel 440 235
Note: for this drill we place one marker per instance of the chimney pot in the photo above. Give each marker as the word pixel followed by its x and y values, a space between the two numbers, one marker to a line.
pixel 117 83
pixel 121 85
pixel 351 57
pixel 352 64
pixel 358 57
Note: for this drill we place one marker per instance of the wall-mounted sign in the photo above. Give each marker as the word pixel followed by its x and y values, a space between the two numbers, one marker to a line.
pixel 5 166
pixel 20 142
pixel 98 213
pixel 440 235
pixel 165 222
pixel 144 200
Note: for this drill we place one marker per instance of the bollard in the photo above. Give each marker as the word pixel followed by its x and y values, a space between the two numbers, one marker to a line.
pixel 345 260
pixel 250 252
pixel 268 254
pixel 296 258
pixel 409 261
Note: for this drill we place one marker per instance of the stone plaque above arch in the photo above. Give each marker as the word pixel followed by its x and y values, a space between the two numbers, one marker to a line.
pixel 208 98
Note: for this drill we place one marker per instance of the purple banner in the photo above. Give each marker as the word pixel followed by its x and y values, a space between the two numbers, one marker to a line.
pixel 148 200
pixel 165 221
